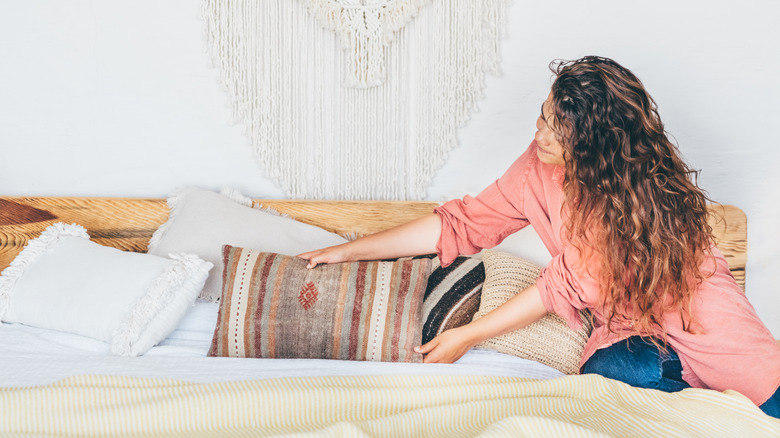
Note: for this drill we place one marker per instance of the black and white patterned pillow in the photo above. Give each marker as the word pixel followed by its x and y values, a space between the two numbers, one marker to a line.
pixel 452 296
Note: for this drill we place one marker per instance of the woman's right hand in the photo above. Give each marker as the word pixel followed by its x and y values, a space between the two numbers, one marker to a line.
pixel 331 254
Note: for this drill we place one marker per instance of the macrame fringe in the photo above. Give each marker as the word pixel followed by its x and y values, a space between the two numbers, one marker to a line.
pixel 184 276
pixel 246 201
pixel 52 235
pixel 158 234
pixel 353 235
pixel 290 69
pixel 237 196
pixel 364 30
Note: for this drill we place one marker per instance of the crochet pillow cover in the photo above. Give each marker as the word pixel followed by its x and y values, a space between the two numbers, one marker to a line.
pixel 550 340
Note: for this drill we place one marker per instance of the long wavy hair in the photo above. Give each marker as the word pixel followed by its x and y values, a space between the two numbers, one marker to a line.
pixel 632 200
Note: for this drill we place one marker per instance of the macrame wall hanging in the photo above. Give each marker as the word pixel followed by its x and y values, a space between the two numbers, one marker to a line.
pixel 353 99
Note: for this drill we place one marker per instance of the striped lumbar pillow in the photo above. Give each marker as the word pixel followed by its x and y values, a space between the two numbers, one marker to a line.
pixel 453 295
pixel 272 306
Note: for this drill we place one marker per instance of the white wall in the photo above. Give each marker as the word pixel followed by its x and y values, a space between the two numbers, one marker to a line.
pixel 118 99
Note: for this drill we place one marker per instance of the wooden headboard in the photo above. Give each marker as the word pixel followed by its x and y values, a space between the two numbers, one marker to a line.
pixel 128 223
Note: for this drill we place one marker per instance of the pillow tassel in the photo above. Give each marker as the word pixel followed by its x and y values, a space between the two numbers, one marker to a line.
pixel 158 234
pixel 187 273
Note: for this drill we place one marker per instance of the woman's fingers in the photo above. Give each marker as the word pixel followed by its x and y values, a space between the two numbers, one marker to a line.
pixel 440 354
pixel 314 258
pixel 426 348
pixel 331 254
pixel 313 262
pixel 445 348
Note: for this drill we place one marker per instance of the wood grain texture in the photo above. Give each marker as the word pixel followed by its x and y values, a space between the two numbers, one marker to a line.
pixel 729 225
pixel 351 217
pixel 128 223
pixel 124 223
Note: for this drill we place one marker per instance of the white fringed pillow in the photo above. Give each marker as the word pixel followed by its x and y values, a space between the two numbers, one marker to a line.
pixel 201 221
pixel 63 281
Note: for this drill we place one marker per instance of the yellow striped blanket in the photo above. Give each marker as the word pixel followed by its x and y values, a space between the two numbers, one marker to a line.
pixel 375 406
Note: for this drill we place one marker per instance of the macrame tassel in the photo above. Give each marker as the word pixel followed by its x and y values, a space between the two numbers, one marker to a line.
pixel 181 280
pixel 365 28
pixel 353 99
pixel 364 47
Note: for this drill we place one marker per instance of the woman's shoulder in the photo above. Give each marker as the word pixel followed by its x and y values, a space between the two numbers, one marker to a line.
pixel 521 168
pixel 529 173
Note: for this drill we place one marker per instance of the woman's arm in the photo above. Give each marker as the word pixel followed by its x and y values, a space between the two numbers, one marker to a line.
pixel 465 226
pixel 521 310
pixel 412 238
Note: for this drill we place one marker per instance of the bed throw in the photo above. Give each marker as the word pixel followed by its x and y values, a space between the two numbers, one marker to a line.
pixel 376 406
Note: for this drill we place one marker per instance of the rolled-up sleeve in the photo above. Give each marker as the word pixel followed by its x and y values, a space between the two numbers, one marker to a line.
pixel 474 223
pixel 566 287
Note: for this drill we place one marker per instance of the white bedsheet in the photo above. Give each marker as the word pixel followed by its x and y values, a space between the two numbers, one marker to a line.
pixel 31 356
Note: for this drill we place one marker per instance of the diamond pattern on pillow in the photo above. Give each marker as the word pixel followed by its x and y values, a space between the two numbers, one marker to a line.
pixel 273 306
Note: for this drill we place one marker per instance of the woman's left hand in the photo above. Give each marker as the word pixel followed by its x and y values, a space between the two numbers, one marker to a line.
pixel 448 347
pixel 522 309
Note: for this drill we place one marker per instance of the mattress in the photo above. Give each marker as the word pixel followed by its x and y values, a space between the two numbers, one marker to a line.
pixel 32 356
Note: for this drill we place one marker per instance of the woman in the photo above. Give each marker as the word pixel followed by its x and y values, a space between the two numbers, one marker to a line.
pixel 627 227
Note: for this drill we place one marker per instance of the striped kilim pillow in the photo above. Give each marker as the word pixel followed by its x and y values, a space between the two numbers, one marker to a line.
pixel 453 294
pixel 272 306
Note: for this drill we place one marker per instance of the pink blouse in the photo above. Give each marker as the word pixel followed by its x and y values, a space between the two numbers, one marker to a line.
pixel 735 349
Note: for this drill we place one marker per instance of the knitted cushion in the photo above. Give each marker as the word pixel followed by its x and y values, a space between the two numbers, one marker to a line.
pixel 549 340
pixel 272 306
pixel 452 295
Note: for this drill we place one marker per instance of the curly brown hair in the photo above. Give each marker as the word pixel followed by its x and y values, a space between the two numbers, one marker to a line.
pixel 639 208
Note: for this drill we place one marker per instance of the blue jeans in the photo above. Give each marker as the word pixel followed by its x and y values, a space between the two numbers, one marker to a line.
pixel 640 363
pixel 771 407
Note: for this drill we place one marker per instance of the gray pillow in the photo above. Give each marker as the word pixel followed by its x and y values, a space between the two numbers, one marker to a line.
pixel 201 221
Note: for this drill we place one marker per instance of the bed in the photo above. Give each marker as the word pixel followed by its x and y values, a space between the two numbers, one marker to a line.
pixel 56 383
